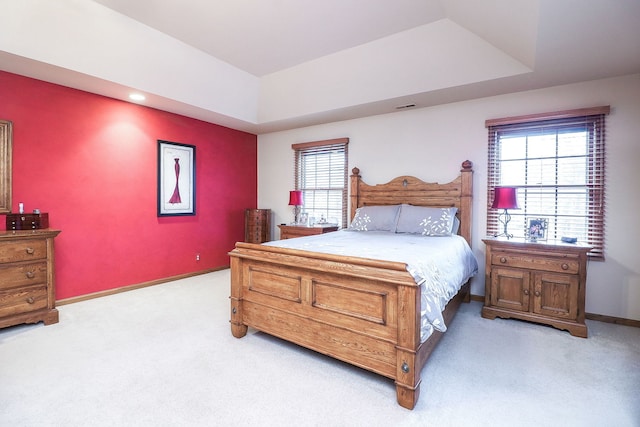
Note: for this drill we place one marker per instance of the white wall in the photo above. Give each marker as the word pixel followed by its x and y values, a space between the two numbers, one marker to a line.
pixel 431 143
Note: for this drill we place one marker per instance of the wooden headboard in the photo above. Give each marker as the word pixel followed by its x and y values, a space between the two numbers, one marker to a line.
pixel 413 191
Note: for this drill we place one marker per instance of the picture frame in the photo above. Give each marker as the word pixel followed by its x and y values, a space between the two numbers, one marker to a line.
pixel 6 158
pixel 176 179
pixel 537 229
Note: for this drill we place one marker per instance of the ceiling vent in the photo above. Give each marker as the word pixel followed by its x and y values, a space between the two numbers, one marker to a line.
pixel 404 107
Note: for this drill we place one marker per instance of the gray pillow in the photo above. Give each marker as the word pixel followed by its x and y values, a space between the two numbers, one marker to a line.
pixel 426 220
pixel 375 218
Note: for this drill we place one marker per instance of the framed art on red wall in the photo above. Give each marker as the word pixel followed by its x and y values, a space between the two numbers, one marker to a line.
pixel 6 135
pixel 176 179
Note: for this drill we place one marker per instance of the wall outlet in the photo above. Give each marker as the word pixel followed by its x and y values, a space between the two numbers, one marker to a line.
pixel 197 257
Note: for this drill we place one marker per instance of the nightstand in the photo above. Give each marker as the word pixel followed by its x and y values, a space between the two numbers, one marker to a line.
pixel 291 231
pixel 543 282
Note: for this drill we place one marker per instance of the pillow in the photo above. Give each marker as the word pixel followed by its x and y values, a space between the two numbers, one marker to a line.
pixel 375 218
pixel 426 221
pixel 456 225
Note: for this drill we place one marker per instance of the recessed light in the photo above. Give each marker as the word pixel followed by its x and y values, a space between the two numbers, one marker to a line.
pixel 137 97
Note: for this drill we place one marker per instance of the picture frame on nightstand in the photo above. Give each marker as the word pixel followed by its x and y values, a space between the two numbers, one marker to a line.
pixel 537 229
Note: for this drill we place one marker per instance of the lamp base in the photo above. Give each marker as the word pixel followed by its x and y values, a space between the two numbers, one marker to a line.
pixel 504 218
pixel 296 215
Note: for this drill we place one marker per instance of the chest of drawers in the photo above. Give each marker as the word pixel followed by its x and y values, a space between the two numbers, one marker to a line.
pixel 257 225
pixel 27 279
pixel 539 282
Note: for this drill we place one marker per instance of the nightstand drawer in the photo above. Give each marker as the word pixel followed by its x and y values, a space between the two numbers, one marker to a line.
pixel 23 250
pixel 559 265
pixel 23 300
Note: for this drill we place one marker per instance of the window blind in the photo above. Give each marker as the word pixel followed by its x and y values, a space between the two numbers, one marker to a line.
pixel 557 161
pixel 320 170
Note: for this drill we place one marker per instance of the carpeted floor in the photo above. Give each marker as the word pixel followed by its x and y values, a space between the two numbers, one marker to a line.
pixel 164 356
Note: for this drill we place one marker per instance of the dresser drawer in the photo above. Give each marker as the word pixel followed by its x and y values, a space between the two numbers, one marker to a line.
pixel 23 250
pixel 17 275
pixel 23 300
pixel 532 262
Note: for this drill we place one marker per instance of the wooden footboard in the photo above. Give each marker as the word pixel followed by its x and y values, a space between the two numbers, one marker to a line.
pixel 364 312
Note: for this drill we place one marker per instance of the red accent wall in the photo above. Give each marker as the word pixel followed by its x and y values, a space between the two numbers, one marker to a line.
pixel 91 163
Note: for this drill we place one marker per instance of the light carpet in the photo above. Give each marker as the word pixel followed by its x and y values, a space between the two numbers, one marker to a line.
pixel 165 356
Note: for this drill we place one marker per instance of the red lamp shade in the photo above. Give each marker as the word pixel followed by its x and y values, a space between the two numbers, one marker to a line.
pixel 505 198
pixel 295 198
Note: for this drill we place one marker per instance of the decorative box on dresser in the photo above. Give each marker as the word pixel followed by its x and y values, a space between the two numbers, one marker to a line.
pixel 27 277
pixel 543 282
pixel 257 225
pixel 291 231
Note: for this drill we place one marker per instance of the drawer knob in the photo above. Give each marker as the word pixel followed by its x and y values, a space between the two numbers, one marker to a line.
pixel 526 291
pixel 31 274
pixel 565 266
pixel 503 260
pixel 30 300
pixel 537 293
pixel 30 251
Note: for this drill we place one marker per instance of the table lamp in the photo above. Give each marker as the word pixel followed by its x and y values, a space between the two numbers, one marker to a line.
pixel 295 200
pixel 505 198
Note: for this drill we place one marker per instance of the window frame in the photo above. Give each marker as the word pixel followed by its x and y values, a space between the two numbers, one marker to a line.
pixel 593 119
pixel 338 145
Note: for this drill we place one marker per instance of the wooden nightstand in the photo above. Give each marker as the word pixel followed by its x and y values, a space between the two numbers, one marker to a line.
pixel 542 282
pixel 290 231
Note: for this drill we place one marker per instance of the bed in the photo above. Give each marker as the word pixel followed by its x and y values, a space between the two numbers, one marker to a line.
pixel 360 310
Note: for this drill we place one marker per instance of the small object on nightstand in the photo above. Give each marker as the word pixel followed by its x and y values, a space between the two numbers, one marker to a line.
pixel 569 239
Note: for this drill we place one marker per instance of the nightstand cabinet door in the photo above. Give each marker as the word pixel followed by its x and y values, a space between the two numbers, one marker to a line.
pixel 510 289
pixel 556 295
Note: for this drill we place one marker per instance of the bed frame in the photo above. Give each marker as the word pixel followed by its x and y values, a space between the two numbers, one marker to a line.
pixel 361 311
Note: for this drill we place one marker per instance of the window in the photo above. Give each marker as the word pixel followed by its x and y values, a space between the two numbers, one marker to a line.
pixel 557 162
pixel 321 174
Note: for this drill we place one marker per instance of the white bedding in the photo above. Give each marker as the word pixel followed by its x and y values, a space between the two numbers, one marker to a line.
pixel 440 265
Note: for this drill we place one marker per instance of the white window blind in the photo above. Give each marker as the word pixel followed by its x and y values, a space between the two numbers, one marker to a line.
pixel 321 173
pixel 557 161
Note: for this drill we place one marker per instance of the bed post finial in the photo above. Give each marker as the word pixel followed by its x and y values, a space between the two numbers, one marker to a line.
pixel 355 193
pixel 466 195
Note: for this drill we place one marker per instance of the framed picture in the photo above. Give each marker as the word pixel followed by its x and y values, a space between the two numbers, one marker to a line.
pixel 6 136
pixel 176 179
pixel 537 229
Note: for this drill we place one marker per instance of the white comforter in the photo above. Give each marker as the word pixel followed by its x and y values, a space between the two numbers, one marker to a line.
pixel 440 265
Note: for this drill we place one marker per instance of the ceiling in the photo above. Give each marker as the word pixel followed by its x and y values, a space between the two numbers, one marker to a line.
pixel 304 47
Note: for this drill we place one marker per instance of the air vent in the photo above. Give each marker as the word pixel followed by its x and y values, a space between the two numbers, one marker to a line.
pixel 404 107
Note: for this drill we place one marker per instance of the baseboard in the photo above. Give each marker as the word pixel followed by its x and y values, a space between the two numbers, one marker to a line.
pixel 479 298
pixel 590 316
pixel 100 294
pixel 612 319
